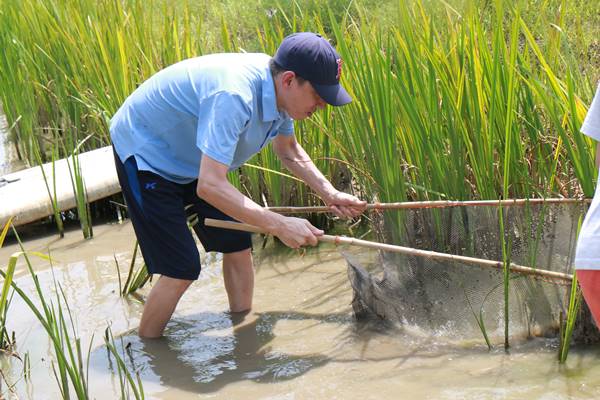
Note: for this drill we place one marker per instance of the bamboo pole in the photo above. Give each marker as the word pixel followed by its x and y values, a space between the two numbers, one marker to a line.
pixel 557 277
pixel 434 204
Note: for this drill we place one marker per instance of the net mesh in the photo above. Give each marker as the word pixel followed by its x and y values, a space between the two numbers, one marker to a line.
pixel 464 301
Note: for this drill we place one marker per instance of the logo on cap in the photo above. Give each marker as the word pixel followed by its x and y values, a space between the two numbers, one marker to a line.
pixel 339 68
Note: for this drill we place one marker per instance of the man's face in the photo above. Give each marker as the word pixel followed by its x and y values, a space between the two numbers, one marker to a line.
pixel 300 99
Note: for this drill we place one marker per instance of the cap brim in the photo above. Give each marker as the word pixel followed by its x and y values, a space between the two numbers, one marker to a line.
pixel 335 95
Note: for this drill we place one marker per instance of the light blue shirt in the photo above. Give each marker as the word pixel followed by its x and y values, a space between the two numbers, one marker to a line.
pixel 221 105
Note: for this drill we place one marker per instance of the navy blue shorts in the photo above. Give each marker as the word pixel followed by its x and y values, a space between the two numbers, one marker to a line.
pixel 159 210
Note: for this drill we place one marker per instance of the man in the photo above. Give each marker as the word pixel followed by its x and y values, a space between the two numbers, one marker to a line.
pixel 176 137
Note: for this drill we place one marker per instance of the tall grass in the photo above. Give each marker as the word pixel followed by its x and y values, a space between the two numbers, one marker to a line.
pixel 568 325
pixel 69 370
pixel 80 192
pixel 449 102
pixel 52 193
pixel 459 111
pixel 129 387
pixel 71 364
pixel 6 342
pixel 573 312
pixel 136 279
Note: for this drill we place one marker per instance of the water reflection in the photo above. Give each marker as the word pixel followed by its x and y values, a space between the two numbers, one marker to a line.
pixel 205 352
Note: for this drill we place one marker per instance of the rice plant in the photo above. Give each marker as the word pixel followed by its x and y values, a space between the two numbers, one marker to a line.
pixel 129 388
pixel 79 190
pixel 52 193
pixel 6 341
pixel 480 319
pixel 567 326
pixel 136 278
pixel 69 370
pixel 573 312
pixel 455 103
pixel 27 366
pixel 71 365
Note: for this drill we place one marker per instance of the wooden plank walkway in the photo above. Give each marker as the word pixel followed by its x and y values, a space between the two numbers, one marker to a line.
pixel 24 196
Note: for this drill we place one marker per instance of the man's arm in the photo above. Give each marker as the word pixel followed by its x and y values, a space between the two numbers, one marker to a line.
pixel 295 158
pixel 214 187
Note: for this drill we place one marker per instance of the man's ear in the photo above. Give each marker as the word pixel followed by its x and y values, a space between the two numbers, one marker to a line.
pixel 287 78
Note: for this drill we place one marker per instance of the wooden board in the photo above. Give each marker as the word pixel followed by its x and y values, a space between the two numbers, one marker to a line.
pixel 24 195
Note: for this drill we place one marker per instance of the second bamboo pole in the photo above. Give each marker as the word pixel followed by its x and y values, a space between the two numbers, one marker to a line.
pixel 554 276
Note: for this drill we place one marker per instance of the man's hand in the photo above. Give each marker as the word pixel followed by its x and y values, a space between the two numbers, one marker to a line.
pixel 345 205
pixel 297 232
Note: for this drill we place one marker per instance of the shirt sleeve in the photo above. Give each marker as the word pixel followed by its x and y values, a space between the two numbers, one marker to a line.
pixel 287 127
pixel 221 119
pixel 591 124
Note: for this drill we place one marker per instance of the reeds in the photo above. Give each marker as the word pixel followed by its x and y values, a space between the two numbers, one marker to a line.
pixel 129 387
pixel 136 278
pixel 573 311
pixel 568 325
pixel 6 342
pixel 69 369
pixel 79 190
pixel 71 366
pixel 446 105
pixel 52 193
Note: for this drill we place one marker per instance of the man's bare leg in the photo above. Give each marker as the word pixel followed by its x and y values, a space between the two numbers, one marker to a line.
pixel 238 273
pixel 160 304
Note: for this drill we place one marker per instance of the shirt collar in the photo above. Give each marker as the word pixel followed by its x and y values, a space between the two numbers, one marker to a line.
pixel 269 100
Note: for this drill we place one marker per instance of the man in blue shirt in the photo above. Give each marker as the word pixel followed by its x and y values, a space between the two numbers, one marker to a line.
pixel 178 134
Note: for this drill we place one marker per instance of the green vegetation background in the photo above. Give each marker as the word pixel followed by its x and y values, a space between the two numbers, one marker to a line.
pixel 453 99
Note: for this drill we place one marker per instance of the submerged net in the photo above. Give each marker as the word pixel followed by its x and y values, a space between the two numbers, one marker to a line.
pixel 464 301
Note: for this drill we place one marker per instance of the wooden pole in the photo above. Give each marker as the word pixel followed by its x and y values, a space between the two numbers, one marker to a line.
pixel 434 204
pixel 557 277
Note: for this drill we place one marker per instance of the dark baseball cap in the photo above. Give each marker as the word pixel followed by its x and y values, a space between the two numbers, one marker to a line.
pixel 313 58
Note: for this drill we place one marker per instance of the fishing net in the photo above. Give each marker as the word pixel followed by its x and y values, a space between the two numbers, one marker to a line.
pixel 466 301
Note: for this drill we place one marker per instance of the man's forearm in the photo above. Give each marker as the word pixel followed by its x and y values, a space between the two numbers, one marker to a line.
pixel 232 202
pixel 300 164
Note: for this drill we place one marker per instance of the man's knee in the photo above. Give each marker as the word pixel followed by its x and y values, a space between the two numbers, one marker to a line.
pixel 242 257
pixel 174 284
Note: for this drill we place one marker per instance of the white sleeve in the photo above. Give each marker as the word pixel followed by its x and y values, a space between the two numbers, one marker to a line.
pixel 591 124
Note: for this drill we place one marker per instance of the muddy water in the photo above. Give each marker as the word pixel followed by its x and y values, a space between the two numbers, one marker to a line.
pixel 300 342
